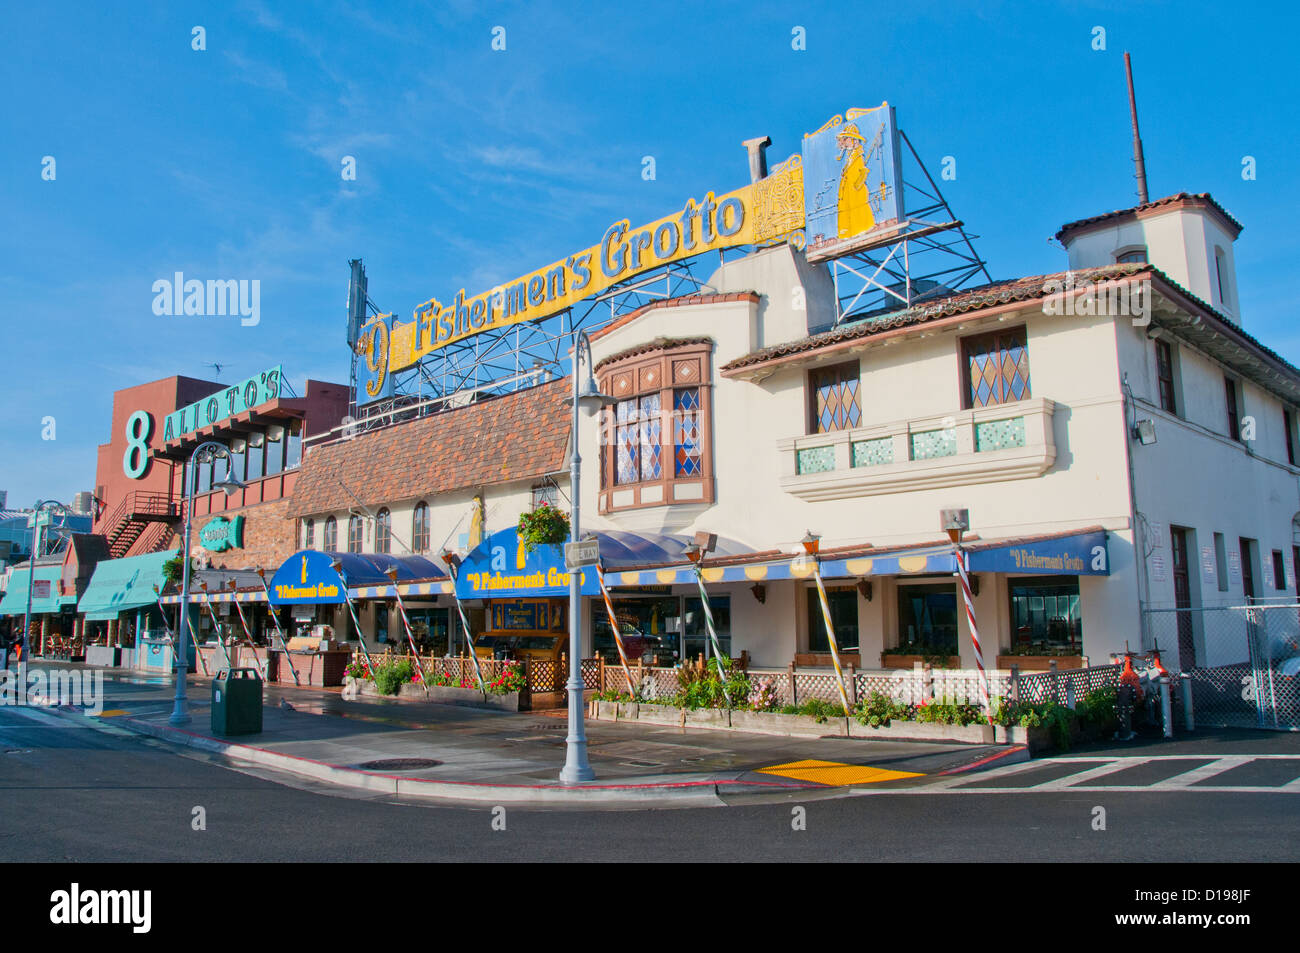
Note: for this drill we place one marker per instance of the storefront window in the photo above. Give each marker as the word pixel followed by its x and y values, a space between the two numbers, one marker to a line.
pixel 844 616
pixel 1045 615
pixel 927 620
pixel 203 475
pixel 696 635
pixel 381 623
pixel 430 629
pixel 649 627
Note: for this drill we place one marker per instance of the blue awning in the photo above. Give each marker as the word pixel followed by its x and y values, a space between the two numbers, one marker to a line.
pixel 309 576
pixel 121 584
pixel 500 567
pixel 15 599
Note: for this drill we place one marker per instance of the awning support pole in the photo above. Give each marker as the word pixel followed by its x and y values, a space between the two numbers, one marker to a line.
pixel 618 636
pixel 974 631
pixel 171 639
pixel 830 634
pixel 207 601
pixel 464 624
pixel 713 635
pixel 352 611
pixel 410 638
pixel 248 635
pixel 279 632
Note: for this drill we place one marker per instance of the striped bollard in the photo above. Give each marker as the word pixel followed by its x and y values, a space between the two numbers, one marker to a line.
pixel 974 632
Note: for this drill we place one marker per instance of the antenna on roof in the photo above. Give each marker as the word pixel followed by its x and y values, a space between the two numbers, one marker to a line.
pixel 215 366
pixel 1139 162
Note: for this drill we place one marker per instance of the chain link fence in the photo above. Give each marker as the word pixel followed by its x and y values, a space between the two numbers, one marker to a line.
pixel 1243 661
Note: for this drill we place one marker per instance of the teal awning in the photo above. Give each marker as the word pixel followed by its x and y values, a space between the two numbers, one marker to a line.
pixel 15 600
pixel 122 584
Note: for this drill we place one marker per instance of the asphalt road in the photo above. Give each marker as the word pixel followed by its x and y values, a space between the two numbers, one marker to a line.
pixel 72 793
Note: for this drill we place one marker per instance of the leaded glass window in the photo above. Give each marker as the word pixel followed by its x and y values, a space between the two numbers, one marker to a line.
pixel 997 368
pixel 686 432
pixel 834 401
pixel 638 439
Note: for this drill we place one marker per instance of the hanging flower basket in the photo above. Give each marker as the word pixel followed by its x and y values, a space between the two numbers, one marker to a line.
pixel 543 526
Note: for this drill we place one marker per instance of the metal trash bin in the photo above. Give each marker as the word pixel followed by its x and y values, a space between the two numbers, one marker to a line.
pixel 237 702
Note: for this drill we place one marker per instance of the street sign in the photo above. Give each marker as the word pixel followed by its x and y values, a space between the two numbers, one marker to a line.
pixel 585 552
pixel 41 589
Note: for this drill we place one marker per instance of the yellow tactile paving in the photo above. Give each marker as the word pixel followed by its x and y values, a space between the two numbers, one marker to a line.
pixel 835 773
pixel 113 712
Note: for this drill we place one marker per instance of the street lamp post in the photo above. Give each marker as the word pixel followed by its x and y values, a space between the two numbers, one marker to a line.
pixel 211 449
pixel 37 542
pixel 587 399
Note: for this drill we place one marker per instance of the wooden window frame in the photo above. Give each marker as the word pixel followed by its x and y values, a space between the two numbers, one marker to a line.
pixel 384 531
pixel 844 370
pixel 1232 404
pixel 661 370
pixel 971 342
pixel 1165 377
pixel 420 536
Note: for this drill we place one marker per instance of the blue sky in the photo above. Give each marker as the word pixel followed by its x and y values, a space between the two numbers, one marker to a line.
pixel 476 165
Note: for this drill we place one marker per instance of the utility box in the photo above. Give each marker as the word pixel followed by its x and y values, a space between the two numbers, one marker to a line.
pixel 237 702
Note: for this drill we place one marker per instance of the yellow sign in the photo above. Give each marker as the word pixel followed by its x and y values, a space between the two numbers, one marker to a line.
pixel 763 211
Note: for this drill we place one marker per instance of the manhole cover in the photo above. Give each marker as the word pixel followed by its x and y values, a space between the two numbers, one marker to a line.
pixel 400 764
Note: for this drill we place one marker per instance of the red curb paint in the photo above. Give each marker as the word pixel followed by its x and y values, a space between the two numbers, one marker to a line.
pixel 983 761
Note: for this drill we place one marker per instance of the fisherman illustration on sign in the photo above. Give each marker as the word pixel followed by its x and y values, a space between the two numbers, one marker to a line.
pixel 855 214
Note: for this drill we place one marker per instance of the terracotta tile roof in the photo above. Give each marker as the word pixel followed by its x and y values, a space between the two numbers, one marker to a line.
pixel 1201 199
pixel 658 344
pixel 512 437
pixel 682 301
pixel 972 299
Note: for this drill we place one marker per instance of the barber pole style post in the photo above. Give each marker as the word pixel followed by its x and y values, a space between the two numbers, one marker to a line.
pixel 713 634
pixel 613 625
pixel 352 612
pixel 167 628
pixel 464 622
pixel 279 632
pixel 243 624
pixel 406 624
pixel 216 625
pixel 955 522
pixel 811 546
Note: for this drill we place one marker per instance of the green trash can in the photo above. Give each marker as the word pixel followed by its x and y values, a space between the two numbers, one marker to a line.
pixel 237 702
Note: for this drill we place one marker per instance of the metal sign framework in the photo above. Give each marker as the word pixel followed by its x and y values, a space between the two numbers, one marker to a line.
pixel 926 255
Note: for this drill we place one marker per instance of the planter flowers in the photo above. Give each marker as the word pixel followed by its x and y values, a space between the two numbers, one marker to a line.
pixel 543 526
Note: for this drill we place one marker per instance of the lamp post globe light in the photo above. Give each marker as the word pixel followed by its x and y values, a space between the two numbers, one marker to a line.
pixel 38 539
pixel 204 453
pixel 587 399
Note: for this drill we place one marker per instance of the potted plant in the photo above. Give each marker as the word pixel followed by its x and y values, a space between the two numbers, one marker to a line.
pixel 544 525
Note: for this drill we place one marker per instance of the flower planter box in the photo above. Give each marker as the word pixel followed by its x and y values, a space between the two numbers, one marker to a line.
pixel 708 718
pixel 445 695
pixel 659 714
pixel 107 656
pixel 1040 663
pixel 773 723
pixel 909 661
pixel 616 711
pixel 925 731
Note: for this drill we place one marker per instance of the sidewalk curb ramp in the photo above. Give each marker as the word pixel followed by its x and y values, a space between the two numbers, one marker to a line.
pixel 696 792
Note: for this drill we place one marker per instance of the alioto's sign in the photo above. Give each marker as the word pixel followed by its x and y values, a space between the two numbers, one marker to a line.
pixel 846 183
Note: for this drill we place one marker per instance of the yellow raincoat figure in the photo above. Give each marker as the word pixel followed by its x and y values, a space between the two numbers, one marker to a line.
pixel 855 215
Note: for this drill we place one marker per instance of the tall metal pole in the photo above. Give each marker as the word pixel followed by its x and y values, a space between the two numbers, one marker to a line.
pixel 1139 160
pixel 576 766
pixel 37 539
pixel 180 704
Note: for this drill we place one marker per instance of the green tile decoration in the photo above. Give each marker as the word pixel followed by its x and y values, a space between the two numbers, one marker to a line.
pixel 934 443
pixel 872 453
pixel 815 460
pixel 1000 434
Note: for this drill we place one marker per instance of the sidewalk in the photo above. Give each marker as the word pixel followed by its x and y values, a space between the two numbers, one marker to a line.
pixel 503 757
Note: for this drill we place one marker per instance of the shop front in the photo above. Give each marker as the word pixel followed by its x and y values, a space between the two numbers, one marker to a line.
pixel 52 622
pixel 329 596
pixel 123 624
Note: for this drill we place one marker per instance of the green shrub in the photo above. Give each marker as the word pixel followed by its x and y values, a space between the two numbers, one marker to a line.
pixel 391 675
pixel 1096 711
pixel 1056 717
pixel 949 713
pixel 877 711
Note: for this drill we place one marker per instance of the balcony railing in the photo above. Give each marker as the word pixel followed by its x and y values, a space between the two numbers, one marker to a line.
pixel 1004 442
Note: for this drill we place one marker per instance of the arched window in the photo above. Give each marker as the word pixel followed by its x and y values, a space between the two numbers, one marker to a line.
pixel 309 534
pixel 331 535
pixel 354 533
pixel 420 528
pixel 384 531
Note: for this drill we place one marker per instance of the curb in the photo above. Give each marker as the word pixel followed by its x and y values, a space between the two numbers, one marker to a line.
pixel 699 793
pixel 1017 754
